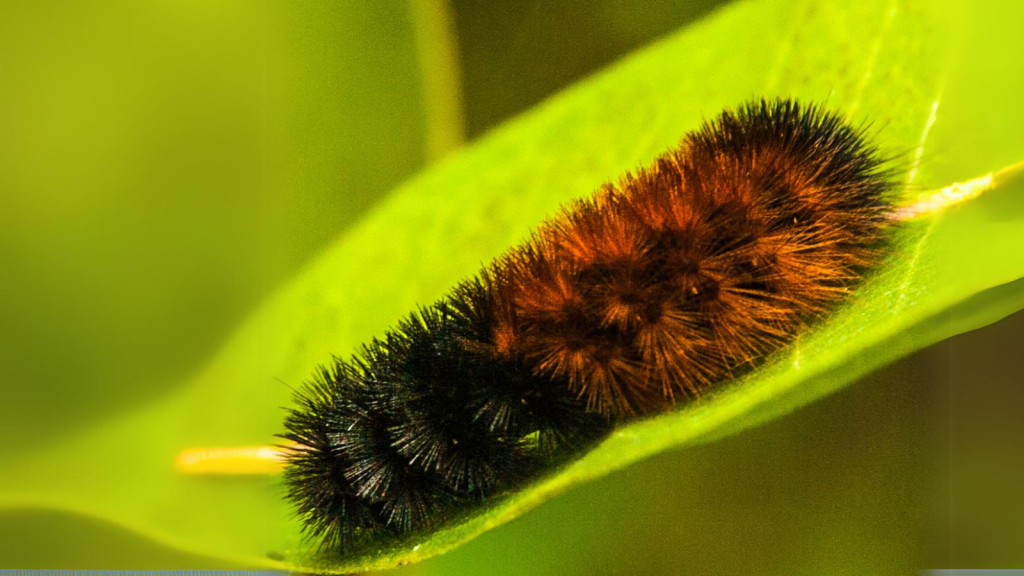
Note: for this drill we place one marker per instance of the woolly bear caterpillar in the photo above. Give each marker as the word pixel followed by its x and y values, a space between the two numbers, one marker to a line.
pixel 680 277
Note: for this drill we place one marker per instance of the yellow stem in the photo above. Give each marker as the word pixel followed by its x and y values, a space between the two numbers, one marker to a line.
pixel 231 461
pixel 958 192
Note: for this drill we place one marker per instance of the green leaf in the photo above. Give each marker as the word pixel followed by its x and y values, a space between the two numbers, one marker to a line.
pixel 931 77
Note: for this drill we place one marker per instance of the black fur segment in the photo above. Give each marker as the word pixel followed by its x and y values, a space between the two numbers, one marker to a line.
pixel 426 424
pixel 682 276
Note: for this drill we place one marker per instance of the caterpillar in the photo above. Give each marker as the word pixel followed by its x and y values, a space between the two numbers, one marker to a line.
pixel 656 289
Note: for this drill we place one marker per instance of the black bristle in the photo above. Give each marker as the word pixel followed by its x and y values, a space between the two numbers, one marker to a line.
pixel 423 425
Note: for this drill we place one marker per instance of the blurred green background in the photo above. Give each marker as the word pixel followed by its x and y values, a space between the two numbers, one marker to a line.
pixel 166 165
